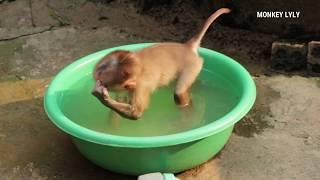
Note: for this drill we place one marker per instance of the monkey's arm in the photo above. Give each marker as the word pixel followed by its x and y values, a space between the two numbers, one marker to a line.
pixel 132 111
pixel 126 110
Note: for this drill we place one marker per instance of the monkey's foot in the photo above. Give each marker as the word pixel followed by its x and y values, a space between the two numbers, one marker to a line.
pixel 182 100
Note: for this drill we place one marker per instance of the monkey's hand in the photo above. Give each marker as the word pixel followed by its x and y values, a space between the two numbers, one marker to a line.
pixel 126 110
pixel 102 94
pixel 105 94
pixel 99 90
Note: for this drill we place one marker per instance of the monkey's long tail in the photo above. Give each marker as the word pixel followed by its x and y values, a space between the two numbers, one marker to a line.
pixel 196 40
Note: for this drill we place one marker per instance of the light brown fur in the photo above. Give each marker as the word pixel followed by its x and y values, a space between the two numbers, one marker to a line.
pixel 142 72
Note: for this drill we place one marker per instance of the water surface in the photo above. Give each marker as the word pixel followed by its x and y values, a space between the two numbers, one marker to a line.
pixel 210 101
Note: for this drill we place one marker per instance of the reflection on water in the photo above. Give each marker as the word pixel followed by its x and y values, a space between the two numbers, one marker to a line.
pixel 163 117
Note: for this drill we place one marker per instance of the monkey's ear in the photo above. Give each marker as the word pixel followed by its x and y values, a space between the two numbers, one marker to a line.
pixel 130 84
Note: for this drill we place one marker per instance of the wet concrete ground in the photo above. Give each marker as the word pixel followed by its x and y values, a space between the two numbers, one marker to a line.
pixel 278 139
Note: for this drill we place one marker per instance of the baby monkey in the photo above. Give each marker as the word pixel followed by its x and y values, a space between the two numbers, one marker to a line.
pixel 140 73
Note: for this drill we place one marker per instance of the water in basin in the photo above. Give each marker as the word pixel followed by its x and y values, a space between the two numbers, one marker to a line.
pixel 211 99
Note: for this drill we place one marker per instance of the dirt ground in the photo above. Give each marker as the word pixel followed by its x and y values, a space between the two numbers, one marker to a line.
pixel 278 139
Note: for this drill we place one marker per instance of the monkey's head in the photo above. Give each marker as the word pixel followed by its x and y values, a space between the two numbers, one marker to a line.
pixel 118 71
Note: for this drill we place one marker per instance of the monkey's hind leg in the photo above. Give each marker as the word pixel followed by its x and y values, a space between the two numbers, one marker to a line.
pixel 184 82
pixel 182 99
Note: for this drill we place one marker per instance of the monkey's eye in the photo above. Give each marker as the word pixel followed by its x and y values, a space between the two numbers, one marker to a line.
pixel 125 74
pixel 102 67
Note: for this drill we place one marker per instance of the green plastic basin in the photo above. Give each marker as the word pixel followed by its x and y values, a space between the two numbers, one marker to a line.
pixel 166 139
